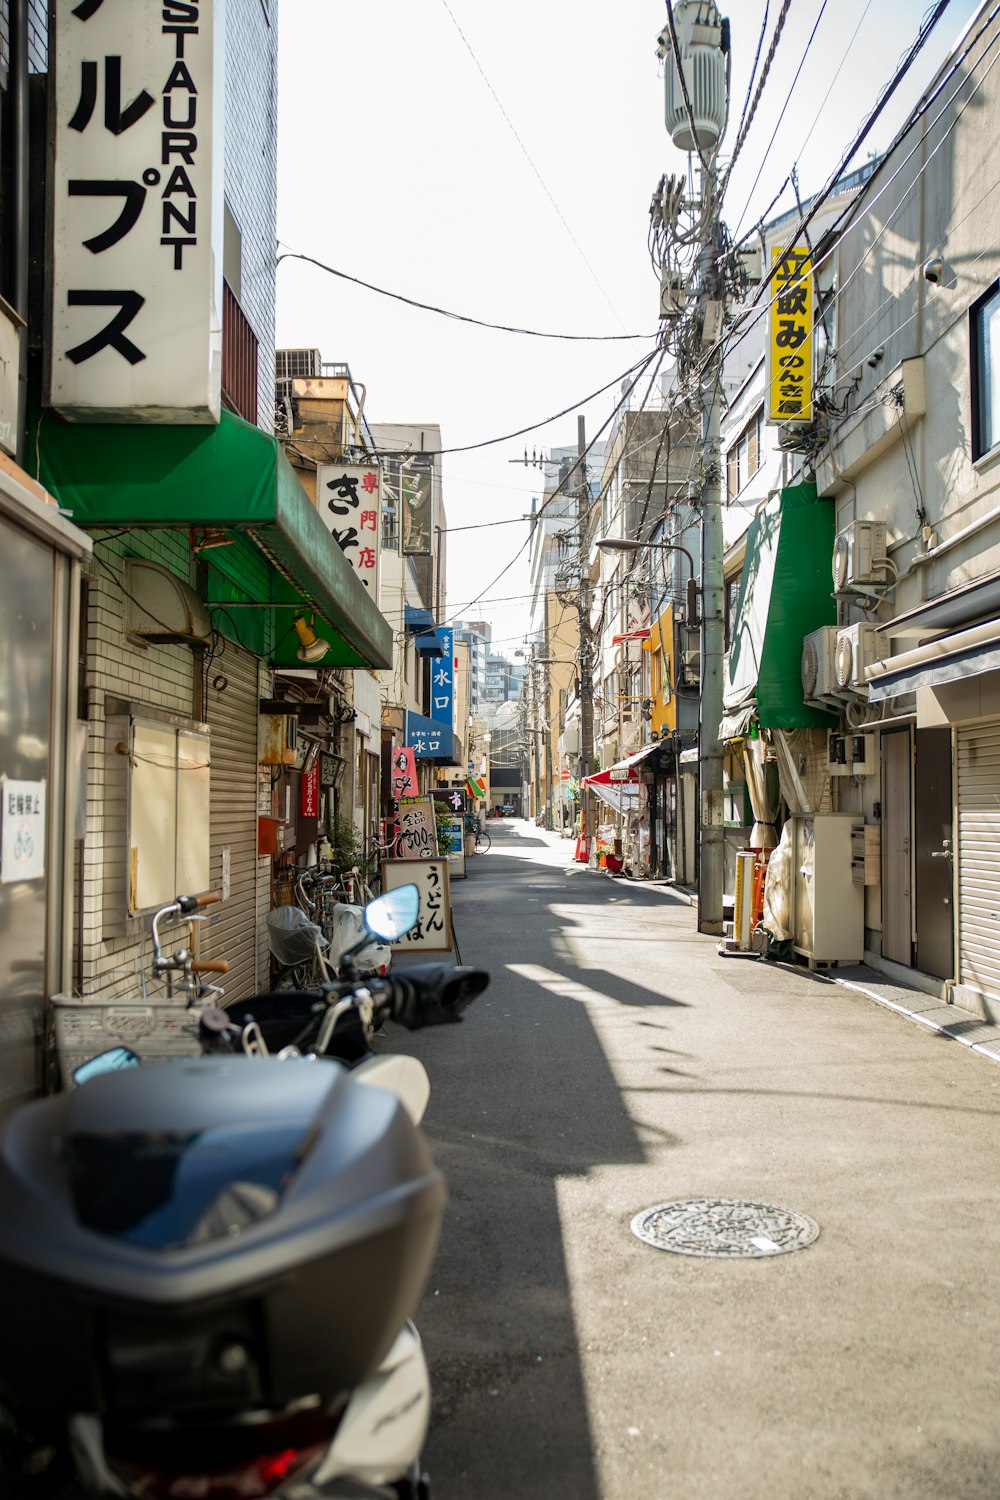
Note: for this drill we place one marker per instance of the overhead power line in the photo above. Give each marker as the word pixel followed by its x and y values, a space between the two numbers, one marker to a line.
pixel 784 108
pixel 530 333
pixel 762 299
pixel 748 121
pixel 640 366
pixel 528 158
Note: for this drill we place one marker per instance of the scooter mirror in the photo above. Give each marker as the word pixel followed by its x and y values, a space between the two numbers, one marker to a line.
pixel 393 913
pixel 105 1062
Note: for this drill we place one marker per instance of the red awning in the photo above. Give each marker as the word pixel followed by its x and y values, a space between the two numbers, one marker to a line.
pixel 631 635
pixel 623 771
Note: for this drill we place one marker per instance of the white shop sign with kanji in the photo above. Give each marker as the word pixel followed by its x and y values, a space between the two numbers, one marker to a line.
pixel 349 499
pixel 136 249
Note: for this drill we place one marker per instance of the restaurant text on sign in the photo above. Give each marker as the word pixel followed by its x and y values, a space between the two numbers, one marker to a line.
pixel 136 212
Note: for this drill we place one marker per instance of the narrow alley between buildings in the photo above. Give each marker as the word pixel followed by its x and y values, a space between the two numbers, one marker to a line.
pixel 618 1062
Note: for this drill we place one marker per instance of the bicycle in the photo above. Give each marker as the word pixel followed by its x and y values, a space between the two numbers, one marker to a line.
pixel 299 946
pixel 374 851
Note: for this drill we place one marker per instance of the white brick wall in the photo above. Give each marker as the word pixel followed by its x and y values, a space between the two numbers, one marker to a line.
pixel 251 171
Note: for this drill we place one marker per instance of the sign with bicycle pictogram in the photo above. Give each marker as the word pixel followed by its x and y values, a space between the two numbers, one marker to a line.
pixel 22 841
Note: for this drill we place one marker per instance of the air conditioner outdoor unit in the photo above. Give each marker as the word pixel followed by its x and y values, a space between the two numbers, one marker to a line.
pixel 857 647
pixel 859 555
pixel 819 681
pixel 690 666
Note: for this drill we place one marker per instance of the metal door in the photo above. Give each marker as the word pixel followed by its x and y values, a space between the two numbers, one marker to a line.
pixel 932 828
pixel 231 708
pixel 977 760
pixel 897 848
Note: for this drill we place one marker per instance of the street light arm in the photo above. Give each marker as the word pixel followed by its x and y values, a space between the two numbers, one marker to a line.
pixel 627 544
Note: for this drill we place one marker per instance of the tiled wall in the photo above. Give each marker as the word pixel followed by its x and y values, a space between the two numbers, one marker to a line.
pixel 251 169
pixel 114 948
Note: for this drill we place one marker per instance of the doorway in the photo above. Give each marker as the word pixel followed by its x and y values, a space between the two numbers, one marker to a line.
pixel 897 848
pixel 934 862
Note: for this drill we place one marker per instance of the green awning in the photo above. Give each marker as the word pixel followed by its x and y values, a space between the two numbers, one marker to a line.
pixel 232 477
pixel 785 592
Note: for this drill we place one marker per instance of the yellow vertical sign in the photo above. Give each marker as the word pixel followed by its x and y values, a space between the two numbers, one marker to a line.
pixel 790 337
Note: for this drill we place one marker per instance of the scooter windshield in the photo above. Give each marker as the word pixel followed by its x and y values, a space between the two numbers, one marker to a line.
pixel 164 1190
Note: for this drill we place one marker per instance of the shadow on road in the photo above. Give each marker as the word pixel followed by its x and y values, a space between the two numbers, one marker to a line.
pixel 522 1098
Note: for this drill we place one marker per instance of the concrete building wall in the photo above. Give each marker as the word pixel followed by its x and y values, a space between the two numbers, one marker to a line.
pixel 888 460
pixel 251 172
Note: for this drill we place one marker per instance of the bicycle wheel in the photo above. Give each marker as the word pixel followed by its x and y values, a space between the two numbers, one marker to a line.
pixel 483 843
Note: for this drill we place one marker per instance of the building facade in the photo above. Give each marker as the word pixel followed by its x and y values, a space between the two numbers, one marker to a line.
pixel 211 570
pixel 911 465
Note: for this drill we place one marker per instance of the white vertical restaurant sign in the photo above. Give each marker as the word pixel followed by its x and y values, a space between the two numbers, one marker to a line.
pixel 136 211
pixel 349 499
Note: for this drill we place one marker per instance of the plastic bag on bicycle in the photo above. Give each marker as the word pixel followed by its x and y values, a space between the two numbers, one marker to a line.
pixel 349 928
pixel 291 937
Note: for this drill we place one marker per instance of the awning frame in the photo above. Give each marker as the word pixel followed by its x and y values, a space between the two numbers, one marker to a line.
pixel 231 478
pixel 948 658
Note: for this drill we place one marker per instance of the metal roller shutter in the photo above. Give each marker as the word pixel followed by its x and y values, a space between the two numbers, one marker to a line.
pixel 978 811
pixel 230 932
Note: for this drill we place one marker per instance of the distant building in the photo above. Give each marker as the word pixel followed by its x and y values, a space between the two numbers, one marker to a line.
pixel 502 680
pixel 476 635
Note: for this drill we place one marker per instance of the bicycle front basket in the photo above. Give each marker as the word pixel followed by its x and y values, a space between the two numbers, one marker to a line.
pixel 291 937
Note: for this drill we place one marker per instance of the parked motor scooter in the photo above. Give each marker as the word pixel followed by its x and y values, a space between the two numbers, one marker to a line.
pixel 207 1266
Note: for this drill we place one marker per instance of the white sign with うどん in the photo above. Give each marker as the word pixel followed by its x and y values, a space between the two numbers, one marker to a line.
pixel 136 212
pixel 349 500
pixel 432 933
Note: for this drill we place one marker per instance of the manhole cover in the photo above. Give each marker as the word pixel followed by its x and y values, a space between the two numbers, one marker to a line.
pixel 724 1227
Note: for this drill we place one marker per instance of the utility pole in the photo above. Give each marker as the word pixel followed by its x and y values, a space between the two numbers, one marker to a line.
pixel 695 46
pixel 586 653
pixel 536 731
pixel 711 867
pixel 547 726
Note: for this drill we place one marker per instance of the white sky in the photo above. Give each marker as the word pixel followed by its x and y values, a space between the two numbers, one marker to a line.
pixel 397 165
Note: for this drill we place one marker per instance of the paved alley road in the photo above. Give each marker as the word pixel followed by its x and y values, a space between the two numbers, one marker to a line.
pixel 616 1062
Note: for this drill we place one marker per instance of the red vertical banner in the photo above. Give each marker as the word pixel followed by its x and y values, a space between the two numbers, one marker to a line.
pixel 309 805
pixel 404 773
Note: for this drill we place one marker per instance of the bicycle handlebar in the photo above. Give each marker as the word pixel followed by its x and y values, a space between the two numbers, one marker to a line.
pixel 185 904
pixel 209 966
pixel 431 995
